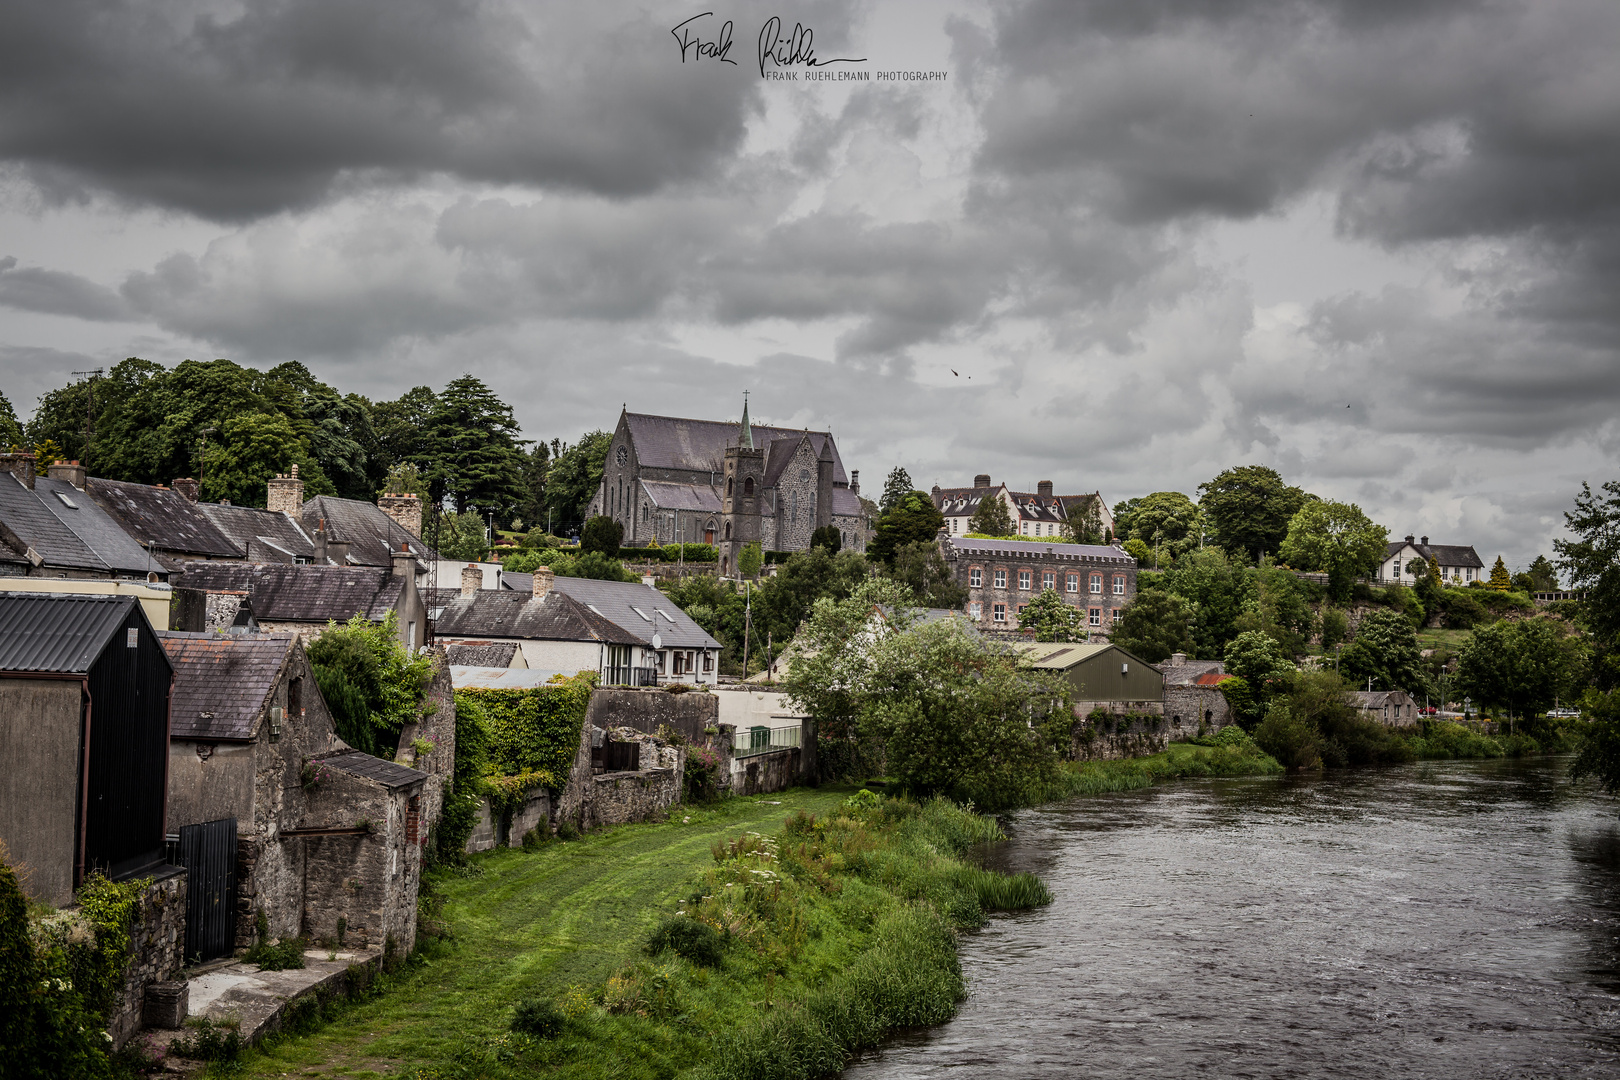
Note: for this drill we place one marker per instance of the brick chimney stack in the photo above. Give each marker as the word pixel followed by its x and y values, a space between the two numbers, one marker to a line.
pixel 543 577
pixel 404 563
pixel 1425 541
pixel 406 509
pixel 472 579
pixel 20 465
pixel 286 494
pixel 1044 489
pixel 982 480
pixel 71 471
pixel 188 487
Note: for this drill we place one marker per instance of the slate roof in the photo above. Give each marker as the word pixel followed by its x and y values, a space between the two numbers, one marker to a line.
pixel 961 502
pixel 1444 554
pixel 516 582
pixel 673 442
pixel 288 593
pixel 500 613
pixel 669 496
pixel 61 633
pixel 1376 699
pixel 634 607
pixel 223 682
pixel 1077 552
pixel 67 529
pixel 262 535
pixel 846 503
pixel 390 774
pixel 27 519
pixel 480 654
pixel 162 517
pixel 372 535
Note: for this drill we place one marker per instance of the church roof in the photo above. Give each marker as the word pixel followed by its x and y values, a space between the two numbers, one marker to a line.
pixel 673 442
pixel 670 496
pixel 846 503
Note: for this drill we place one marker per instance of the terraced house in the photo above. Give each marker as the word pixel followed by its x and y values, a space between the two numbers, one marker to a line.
pixel 1003 576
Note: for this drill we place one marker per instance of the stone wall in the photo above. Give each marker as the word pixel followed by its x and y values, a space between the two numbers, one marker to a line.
pixel 157 944
pixel 758 774
pixel 1197 704
pixel 646 710
pixel 369 879
pixel 1125 735
pixel 619 798
pixel 436 725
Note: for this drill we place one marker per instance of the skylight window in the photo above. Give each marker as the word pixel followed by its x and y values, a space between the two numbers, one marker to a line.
pixel 643 614
pixel 667 616
pixel 69 503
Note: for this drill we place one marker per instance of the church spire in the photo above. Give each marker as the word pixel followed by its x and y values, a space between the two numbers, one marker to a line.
pixel 745 434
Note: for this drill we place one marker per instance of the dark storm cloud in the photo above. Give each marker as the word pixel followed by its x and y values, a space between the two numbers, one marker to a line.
pixel 53 292
pixel 231 116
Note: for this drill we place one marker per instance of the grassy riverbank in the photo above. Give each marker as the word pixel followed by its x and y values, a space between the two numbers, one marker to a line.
pixel 836 928
pixel 1230 753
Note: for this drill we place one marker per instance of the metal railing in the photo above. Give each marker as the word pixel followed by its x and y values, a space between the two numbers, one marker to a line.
pixel 762 740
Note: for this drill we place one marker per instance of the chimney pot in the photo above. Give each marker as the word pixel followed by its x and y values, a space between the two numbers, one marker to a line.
pixel 1044 489
pixel 188 487
pixel 1410 538
pixel 20 465
pixel 404 562
pixel 1178 658
pixel 472 579
pixel 285 494
pixel 1425 541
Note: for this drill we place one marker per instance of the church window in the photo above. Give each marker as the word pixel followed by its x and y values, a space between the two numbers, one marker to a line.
pixel 728 487
pixel 622 456
pixel 793 509
pixel 748 485
pixel 728 530
pixel 804 474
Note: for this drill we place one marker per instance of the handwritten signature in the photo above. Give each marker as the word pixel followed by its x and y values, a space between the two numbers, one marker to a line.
pixel 794 49
pixel 699 48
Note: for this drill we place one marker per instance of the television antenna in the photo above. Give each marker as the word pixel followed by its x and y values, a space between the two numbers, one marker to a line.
pixel 89 409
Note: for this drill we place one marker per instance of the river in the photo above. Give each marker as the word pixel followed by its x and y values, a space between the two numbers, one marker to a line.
pixel 1456 920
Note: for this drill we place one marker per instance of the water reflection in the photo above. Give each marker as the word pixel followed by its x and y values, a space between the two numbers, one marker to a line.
pixel 1437 919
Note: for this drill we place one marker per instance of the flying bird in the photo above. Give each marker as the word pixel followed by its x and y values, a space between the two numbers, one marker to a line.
pixel 953 372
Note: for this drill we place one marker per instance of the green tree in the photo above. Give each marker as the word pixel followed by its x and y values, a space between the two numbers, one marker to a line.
pixel 1083 523
pixel 1138 550
pixel 574 477
pixel 337 429
pixel 1168 522
pixel 991 518
pixel 11 432
pixel 602 533
pixel 914 518
pixel 922 568
pixel 1335 538
pixel 1335 628
pixel 1154 625
pixel 1052 619
pixel 461 537
pixel 749 560
pixel 370 681
pixel 248 451
pixel 1124 510
pixel 895 488
pixel 1386 650
pixel 473 453
pixel 1592 563
pixel 1500 579
pixel 406 479
pixel 46 454
pixel 536 466
pixel 401 426
pixel 1218 593
pixel 1541 576
pixel 1257 659
pixel 1523 667
pixel 1249 508
pixel 1281 610
pixel 783 602
pixel 829 537
pixel 590 564
pixel 1599 752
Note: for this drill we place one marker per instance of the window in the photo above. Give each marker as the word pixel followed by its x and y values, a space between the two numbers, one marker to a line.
pixel 708 662
pixel 728 486
pixel 1094 616
pixel 1023 579
pixel 1001 579
pixel 1397 568
pixel 975 578
pixel 1073 582
pixel 998 613
pixel 748 485
pixel 1119 584
pixel 1048 579
pixel 976 610
pixel 1021 608
pixel 1096 583
pixel 621 455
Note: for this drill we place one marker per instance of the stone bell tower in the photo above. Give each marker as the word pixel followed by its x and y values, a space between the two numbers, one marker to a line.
pixel 740 492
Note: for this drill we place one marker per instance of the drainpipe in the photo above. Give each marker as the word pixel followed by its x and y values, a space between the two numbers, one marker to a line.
pixel 84 784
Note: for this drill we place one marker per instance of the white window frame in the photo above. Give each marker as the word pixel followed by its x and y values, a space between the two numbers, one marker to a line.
pixel 998 613
pixel 1094 617
pixel 1001 579
pixel 1096 584
pixel 975 578
pixel 1025 579
pixel 1071 583
pixel 1119 584
pixel 1048 579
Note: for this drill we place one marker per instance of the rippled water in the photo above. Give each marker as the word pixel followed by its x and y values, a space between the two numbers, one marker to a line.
pixel 1449 920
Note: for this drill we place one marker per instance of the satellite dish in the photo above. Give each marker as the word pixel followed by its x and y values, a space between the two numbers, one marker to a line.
pixel 657 642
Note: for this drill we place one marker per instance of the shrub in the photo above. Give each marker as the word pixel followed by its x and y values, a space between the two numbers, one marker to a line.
pixel 1006 892
pixel 700 780
pixel 539 1018
pixel 284 955
pixel 1289 738
pixel 694 941
pixel 209 1040
pixel 371 682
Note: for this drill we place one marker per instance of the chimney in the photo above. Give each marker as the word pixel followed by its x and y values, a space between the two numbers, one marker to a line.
pixel 1410 538
pixel 855 481
pixel 543 577
pixel 187 487
pixel 319 540
pixel 337 551
pixel 1425 541
pixel 982 480
pixel 472 579
pixel 286 494
pixel 1044 489
pixel 405 509
pixel 71 471
pixel 1178 658
pixel 20 465
pixel 404 563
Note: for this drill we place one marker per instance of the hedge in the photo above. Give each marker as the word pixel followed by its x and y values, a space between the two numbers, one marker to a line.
pixel 532 733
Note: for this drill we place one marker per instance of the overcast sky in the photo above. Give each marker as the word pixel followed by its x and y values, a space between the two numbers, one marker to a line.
pixel 1120 245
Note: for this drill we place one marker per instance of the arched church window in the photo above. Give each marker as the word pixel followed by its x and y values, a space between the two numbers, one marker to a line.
pixel 748 485
pixel 728 487
pixel 728 530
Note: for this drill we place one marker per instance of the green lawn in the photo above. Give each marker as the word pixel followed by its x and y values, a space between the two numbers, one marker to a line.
pixel 532 924
pixel 1444 639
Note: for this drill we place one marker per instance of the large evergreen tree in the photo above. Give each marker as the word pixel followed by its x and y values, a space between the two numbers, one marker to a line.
pixel 1501 580
pixel 573 478
pixel 895 488
pixel 472 450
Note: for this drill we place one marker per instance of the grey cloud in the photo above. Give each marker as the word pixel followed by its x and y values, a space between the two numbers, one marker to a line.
pixel 53 292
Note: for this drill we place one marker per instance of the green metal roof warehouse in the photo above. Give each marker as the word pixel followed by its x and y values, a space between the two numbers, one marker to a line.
pixel 1098 671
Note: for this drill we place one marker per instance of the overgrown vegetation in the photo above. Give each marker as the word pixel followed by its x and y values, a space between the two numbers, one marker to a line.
pixel 372 683
pixel 270 955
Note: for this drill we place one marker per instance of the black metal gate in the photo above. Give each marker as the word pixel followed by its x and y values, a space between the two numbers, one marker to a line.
pixel 208 852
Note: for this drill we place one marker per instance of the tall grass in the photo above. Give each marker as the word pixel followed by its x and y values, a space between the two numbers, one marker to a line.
pixel 1229 754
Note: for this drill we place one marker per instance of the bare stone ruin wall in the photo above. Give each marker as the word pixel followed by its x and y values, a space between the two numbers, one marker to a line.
pixel 157 944
pixel 370 879
pixel 1129 732
pixel 759 774
pixel 646 710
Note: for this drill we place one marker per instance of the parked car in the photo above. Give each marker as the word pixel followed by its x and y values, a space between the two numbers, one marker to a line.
pixel 1430 710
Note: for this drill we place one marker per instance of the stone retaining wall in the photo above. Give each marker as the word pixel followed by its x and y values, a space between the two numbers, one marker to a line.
pixel 647 710
pixel 1121 736
pixel 157 943
pixel 758 774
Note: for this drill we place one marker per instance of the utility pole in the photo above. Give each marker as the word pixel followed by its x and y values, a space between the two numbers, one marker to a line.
pixel 748 623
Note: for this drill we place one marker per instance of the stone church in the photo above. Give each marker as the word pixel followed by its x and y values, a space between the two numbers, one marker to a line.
pixel 727 484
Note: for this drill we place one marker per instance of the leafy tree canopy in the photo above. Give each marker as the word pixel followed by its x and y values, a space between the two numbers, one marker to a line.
pixel 574 476
pixel 1139 551
pixel 750 559
pixel 992 518
pixel 461 537
pixel 1083 523
pixel 1386 651
pixel 1167 522
pixel 1249 508
pixel 910 520
pixel 1256 658
pixel 1599 752
pixel 1592 561
pixel 1216 590
pixel 1541 576
pixel 1052 619
pixel 1335 538
pixel 602 533
pixel 249 449
pixel 1522 666
pixel 371 682
pixel 922 568
pixel 895 488
pixel 11 432
pixel 1154 625
pixel 829 537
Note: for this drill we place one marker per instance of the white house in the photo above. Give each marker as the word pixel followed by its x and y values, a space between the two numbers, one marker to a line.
pixel 1458 565
pixel 1036 513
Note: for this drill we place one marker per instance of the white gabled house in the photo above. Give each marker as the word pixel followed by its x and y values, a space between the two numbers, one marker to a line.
pixel 1458 564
